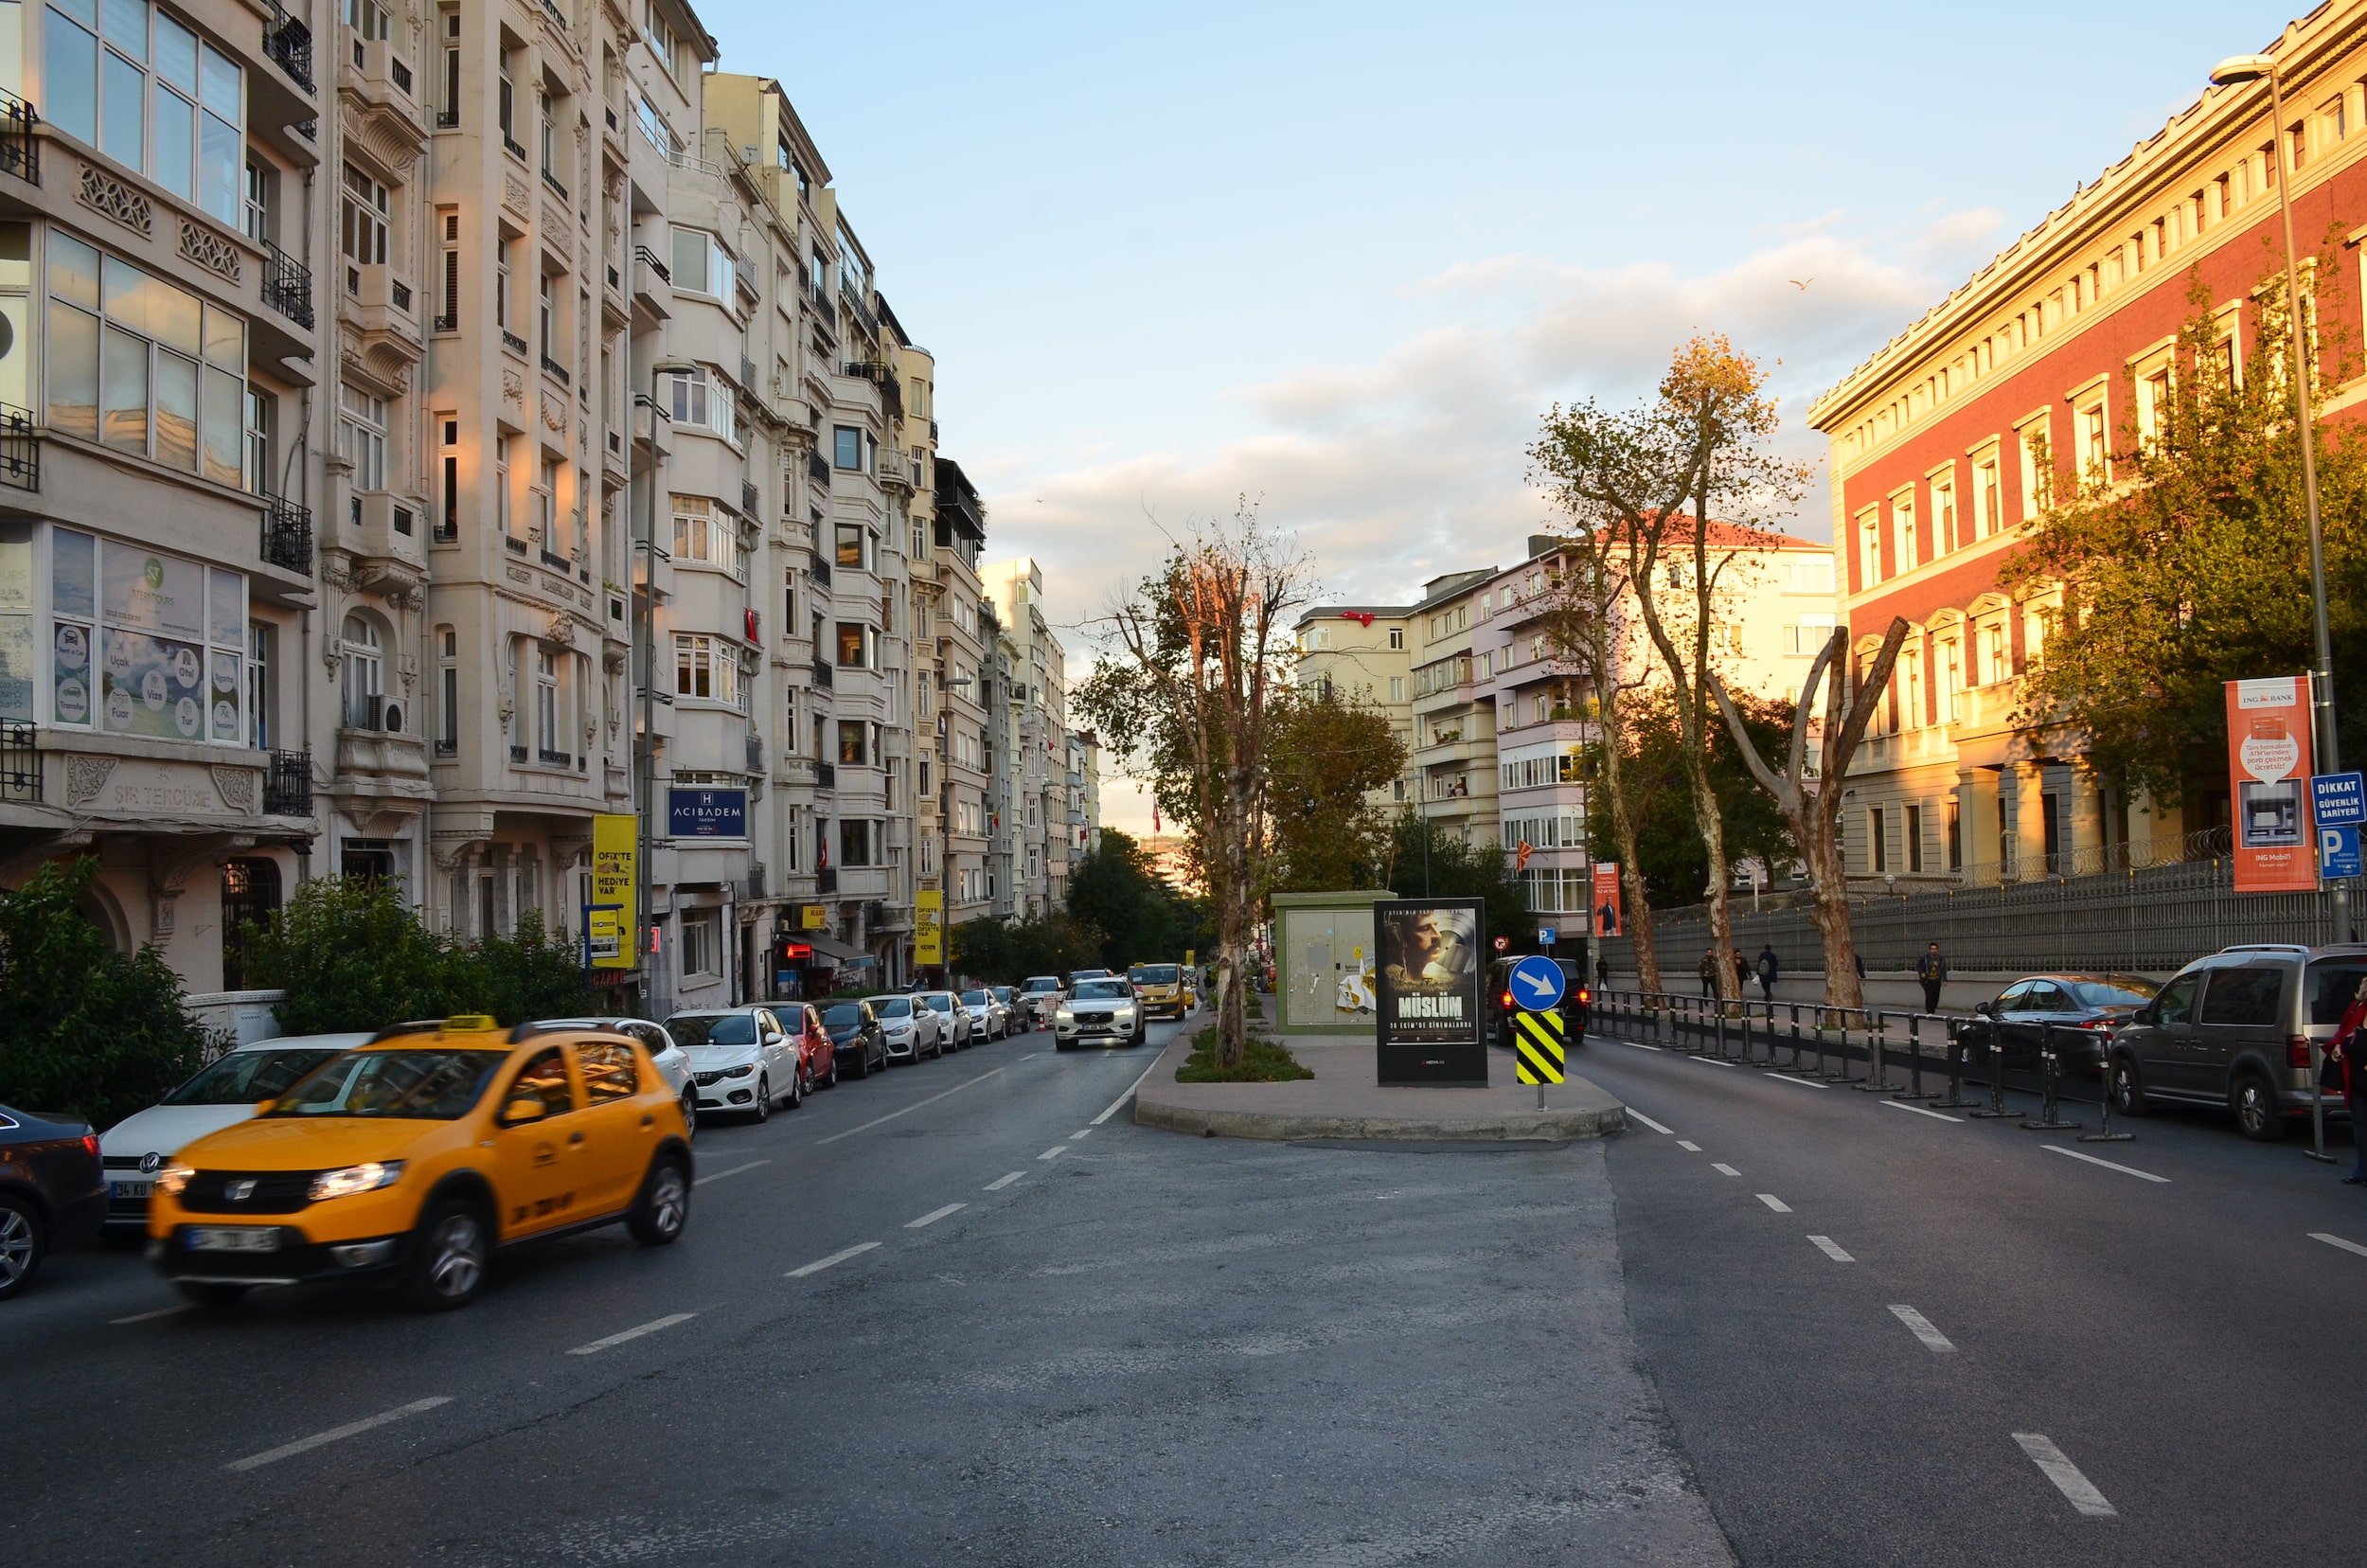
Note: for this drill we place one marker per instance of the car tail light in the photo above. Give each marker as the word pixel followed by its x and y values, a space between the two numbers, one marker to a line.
pixel 1505 1001
pixel 90 1145
pixel 1585 995
pixel 2297 1050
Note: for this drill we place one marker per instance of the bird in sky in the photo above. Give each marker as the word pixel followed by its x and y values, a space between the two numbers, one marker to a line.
pixel 1800 282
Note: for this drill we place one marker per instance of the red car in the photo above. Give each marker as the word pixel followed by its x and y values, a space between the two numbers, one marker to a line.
pixel 812 1039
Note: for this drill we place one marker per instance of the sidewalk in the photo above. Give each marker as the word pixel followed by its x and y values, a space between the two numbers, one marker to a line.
pixel 1343 1101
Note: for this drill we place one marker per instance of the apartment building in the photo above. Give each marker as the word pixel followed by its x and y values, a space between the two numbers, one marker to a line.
pixel 1949 441
pixel 958 622
pixel 1364 653
pixel 1454 735
pixel 1040 799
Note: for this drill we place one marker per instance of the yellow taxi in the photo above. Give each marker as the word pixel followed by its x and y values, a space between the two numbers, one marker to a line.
pixel 1160 988
pixel 413 1159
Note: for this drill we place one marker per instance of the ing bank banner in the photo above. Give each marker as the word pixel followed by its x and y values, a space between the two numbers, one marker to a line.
pixel 2268 765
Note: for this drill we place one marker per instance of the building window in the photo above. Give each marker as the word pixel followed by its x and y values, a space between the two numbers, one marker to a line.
pixel 2038 473
pixel 1903 520
pixel 1808 634
pixel 1869 552
pixel 261 688
pixel 2094 455
pixel 447 692
pixel 1955 836
pixel 854 545
pixel 1397 636
pixel 851 743
pixel 362 422
pixel 1914 838
pixel 706 667
pixel 363 238
pixel 2153 404
pixel 1942 516
pixel 141 366
pixel 851 646
pixel 703 942
pixel 1952 678
pixel 450 28
pixel 854 843
pixel 1911 688
pixel 702 265
pixel 549 744
pixel 693 399
pixel 847 447
pixel 546 318
pixel 698 534
pixel 1988 509
pixel 1877 839
pixel 155 98
pixel 261 415
pixel 363 674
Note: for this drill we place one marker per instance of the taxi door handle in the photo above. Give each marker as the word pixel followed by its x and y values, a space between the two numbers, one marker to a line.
pixel 647 1120
pixel 574 1137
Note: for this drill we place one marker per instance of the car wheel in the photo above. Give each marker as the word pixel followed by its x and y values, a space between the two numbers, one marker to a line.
pixel 2126 1087
pixel 797 1085
pixel 211 1293
pixel 862 1060
pixel 764 1099
pixel 691 1112
pixel 22 1243
pixel 2255 1106
pixel 831 1082
pixel 663 1207
pixel 454 1247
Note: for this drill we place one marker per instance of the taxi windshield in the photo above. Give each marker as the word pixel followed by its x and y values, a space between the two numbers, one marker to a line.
pixel 245 1076
pixel 1152 974
pixel 428 1082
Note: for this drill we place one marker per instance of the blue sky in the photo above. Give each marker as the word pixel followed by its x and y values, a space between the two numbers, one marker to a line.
pixel 1342 256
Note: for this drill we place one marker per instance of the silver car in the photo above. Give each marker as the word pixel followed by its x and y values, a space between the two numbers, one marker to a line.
pixel 2237 1029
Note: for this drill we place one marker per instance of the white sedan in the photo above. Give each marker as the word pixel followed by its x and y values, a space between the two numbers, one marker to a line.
pixel 743 1062
pixel 986 1021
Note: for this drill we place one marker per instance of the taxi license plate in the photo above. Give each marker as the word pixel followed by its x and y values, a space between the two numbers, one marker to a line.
pixel 129 1189
pixel 235 1240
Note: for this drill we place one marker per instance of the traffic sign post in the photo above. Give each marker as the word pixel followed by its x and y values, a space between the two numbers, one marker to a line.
pixel 1546 935
pixel 2340 799
pixel 1537 984
pixel 1538 1051
pixel 2338 852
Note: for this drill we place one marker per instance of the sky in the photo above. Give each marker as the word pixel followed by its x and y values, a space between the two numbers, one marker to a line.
pixel 1341 259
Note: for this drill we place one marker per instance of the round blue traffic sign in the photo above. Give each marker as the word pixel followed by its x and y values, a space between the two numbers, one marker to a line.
pixel 1537 984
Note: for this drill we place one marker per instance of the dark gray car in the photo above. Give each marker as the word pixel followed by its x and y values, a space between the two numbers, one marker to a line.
pixel 2237 1029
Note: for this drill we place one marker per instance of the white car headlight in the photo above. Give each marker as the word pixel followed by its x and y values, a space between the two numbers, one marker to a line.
pixel 367 1177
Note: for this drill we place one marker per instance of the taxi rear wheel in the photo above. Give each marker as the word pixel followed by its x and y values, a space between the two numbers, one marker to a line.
pixel 663 1207
pixel 453 1249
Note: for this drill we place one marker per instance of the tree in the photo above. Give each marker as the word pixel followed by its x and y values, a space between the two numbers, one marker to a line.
pixel 1113 891
pixel 1432 864
pixel 2185 562
pixel 1670 857
pixel 1327 756
pixel 1680 483
pixel 84 1030
pixel 1191 663
pixel 349 954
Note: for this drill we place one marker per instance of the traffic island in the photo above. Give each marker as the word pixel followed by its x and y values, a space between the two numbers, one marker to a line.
pixel 1343 1101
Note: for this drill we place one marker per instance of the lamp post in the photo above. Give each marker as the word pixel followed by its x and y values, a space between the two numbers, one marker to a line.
pixel 2233 72
pixel 645 634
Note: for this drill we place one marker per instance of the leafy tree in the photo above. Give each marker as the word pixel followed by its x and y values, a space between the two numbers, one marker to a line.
pixel 1113 890
pixel 1325 756
pixel 350 954
pixel 85 1030
pixel 1007 953
pixel 1431 862
pixel 1672 861
pixel 529 973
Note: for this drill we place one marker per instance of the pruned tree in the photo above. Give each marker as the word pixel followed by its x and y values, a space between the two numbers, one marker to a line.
pixel 1810 798
pixel 1327 756
pixel 1190 665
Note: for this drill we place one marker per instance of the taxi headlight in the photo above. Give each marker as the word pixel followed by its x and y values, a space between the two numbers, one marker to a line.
pixel 367 1177
pixel 170 1179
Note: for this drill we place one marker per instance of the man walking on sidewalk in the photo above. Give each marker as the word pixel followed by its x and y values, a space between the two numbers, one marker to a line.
pixel 1709 971
pixel 1932 971
pixel 1768 971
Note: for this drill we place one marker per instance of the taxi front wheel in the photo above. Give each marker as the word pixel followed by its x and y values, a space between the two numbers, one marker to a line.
pixel 449 1268
pixel 663 1207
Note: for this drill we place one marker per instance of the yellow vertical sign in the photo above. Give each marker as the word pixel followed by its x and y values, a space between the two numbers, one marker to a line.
pixel 929 927
pixel 614 880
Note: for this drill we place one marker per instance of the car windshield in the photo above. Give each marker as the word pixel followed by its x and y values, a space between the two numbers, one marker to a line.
pixel 936 1000
pixel 977 998
pixel 1041 983
pixel 2128 992
pixel 1001 993
pixel 245 1076
pixel 841 1015
pixel 430 1082
pixel 2332 984
pixel 1100 988
pixel 691 1030
pixel 1152 974
pixel 893 1007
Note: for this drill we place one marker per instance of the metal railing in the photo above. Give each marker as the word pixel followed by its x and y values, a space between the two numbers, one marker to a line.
pixel 826 880
pixel 823 674
pixel 20 149
pixel 288 784
pixel 512 342
pixel 20 448
pixel 289 45
pixel 287 534
pixel 818 467
pixel 286 285
pixel 20 762
pixel 826 775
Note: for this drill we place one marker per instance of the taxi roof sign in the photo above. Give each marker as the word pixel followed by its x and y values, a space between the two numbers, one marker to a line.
pixel 471 1024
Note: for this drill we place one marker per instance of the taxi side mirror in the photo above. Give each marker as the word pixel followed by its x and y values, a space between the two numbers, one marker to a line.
pixel 520 1111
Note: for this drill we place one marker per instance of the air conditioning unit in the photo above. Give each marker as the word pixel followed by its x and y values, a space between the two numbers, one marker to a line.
pixel 378 713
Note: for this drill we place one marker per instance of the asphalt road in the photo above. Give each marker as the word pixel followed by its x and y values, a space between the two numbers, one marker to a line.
pixel 967 1312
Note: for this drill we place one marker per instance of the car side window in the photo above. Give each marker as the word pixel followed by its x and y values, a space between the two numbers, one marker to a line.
pixel 2045 996
pixel 2176 1001
pixel 610 1071
pixel 2242 998
pixel 2016 998
pixel 544 1078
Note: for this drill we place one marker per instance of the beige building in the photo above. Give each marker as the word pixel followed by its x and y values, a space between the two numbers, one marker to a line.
pixel 1041 752
pixel 1365 653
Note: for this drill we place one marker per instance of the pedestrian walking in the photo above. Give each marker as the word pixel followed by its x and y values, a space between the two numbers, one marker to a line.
pixel 1742 972
pixel 1768 972
pixel 2339 1051
pixel 1602 971
pixel 1932 971
pixel 1709 971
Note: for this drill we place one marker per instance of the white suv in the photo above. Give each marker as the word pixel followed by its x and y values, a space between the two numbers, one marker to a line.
pixel 1101 1010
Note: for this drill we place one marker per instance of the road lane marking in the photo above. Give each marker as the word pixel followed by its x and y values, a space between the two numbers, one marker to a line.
pixel 2314 1235
pixel 1002 1182
pixel 1784 1077
pixel 1123 1099
pixel 1650 1122
pixel 934 1216
pixel 1902 1105
pixel 2056 1468
pixel 910 1109
pixel 334 1435
pixel 1688 1148
pixel 2126 1170
pixel 168 1311
pixel 1079 1134
pixel 1921 1327
pixel 1640 1046
pixel 1826 1245
pixel 1774 1202
pixel 1724 1169
pixel 718 1175
pixel 1053 1152
pixel 1031 1055
pixel 1715 1063
pixel 651 1328
pixel 833 1260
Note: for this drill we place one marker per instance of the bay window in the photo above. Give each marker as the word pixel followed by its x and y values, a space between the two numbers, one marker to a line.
pixel 142 365
pixel 706 667
pixel 698 535
pixel 363 234
pixel 364 669
pixel 702 265
pixel 146 90
pixel 362 426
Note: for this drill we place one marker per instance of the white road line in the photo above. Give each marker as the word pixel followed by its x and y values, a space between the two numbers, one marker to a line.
pixel 832 1261
pixel 1639 1046
pixel 2126 1170
pixel 168 1311
pixel 1921 1327
pixel 1079 1134
pixel 1920 1111
pixel 1774 1202
pixel 2066 1476
pixel 1689 1147
pixel 1123 1099
pixel 1031 1055
pixel 1826 1245
pixel 1650 1122
pixel 651 1328
pixel 1053 1152
pixel 1002 1182
pixel 334 1435
pixel 1713 1062
pixel 2314 1235
pixel 1724 1169
pixel 934 1216
pixel 908 1110
pixel 1784 1078
pixel 718 1175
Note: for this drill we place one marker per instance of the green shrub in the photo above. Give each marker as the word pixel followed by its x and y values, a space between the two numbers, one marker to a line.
pixel 1262 1062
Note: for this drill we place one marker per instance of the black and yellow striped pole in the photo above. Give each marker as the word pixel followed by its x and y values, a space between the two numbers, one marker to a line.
pixel 1540 1051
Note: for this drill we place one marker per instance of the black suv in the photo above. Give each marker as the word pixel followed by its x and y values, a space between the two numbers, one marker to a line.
pixel 2235 1029
pixel 1577 998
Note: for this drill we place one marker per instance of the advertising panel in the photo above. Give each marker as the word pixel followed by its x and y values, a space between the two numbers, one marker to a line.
pixel 1608 912
pixel 700 813
pixel 151 685
pixel 1426 1017
pixel 614 881
pixel 929 927
pixel 813 918
pixel 2269 769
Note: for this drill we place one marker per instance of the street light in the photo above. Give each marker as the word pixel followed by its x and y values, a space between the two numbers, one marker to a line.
pixel 645 633
pixel 2233 72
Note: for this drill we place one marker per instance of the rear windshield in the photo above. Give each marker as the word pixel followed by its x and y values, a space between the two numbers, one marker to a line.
pixel 841 1015
pixel 433 1084
pixel 1152 974
pixel 693 1029
pixel 1041 983
pixel 2130 992
pixel 245 1076
pixel 2332 984
pixel 978 998
pixel 893 1007
pixel 1100 988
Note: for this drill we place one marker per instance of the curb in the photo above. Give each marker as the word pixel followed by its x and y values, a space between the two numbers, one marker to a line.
pixel 1280 1125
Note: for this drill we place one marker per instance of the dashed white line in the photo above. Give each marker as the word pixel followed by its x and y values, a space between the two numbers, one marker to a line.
pixel 168 1311
pixel 1650 1122
pixel 718 1175
pixel 1802 1083
pixel 1724 1169
pixel 1774 1202
pixel 2314 1235
pixel 1921 1327
pixel 1688 1147
pixel 651 1328
pixel 833 1260
pixel 1123 1099
pixel 1715 1063
pixel 910 1109
pixel 1002 1182
pixel 1031 1055
pixel 1921 1110
pixel 2126 1170
pixel 1053 1152
pixel 1079 1134
pixel 1640 1046
pixel 335 1435
pixel 2059 1469
pixel 934 1216
pixel 1830 1249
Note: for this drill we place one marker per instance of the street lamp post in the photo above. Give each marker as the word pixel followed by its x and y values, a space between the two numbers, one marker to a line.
pixel 645 633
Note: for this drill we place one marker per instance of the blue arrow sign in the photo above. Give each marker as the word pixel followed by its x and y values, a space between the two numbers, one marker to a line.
pixel 1537 984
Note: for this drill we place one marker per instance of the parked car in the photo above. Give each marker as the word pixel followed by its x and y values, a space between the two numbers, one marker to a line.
pixel 1160 989
pixel 911 1031
pixel 671 1062
pixel 1102 1010
pixel 223 1092
pixel 1042 995
pixel 742 1061
pixel 416 1157
pixel 952 1019
pixel 2083 1010
pixel 1577 1001
pixel 53 1194
pixel 1016 1020
pixel 856 1036
pixel 2235 1029
pixel 985 1023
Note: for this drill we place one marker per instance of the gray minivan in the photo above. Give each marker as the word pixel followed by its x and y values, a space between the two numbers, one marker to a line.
pixel 2235 1029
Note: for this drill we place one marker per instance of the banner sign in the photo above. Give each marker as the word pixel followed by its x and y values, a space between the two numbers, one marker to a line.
pixel 700 812
pixel 1428 1017
pixel 614 881
pixel 1608 909
pixel 2339 800
pixel 929 926
pixel 813 918
pixel 2269 771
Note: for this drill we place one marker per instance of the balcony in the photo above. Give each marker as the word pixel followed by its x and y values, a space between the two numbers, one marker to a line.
pixel 287 286
pixel 20 448
pixel 287 535
pixel 557 371
pixel 896 469
pixel 289 45
pixel 824 676
pixel 383 312
pixel 826 775
pixel 288 784
pixel 20 762
pixel 385 541
pixel 512 342
pixel 652 287
pixel 380 86
pixel 817 468
pixel 826 880
pixel 653 427
pixel 20 149
pixel 749 498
